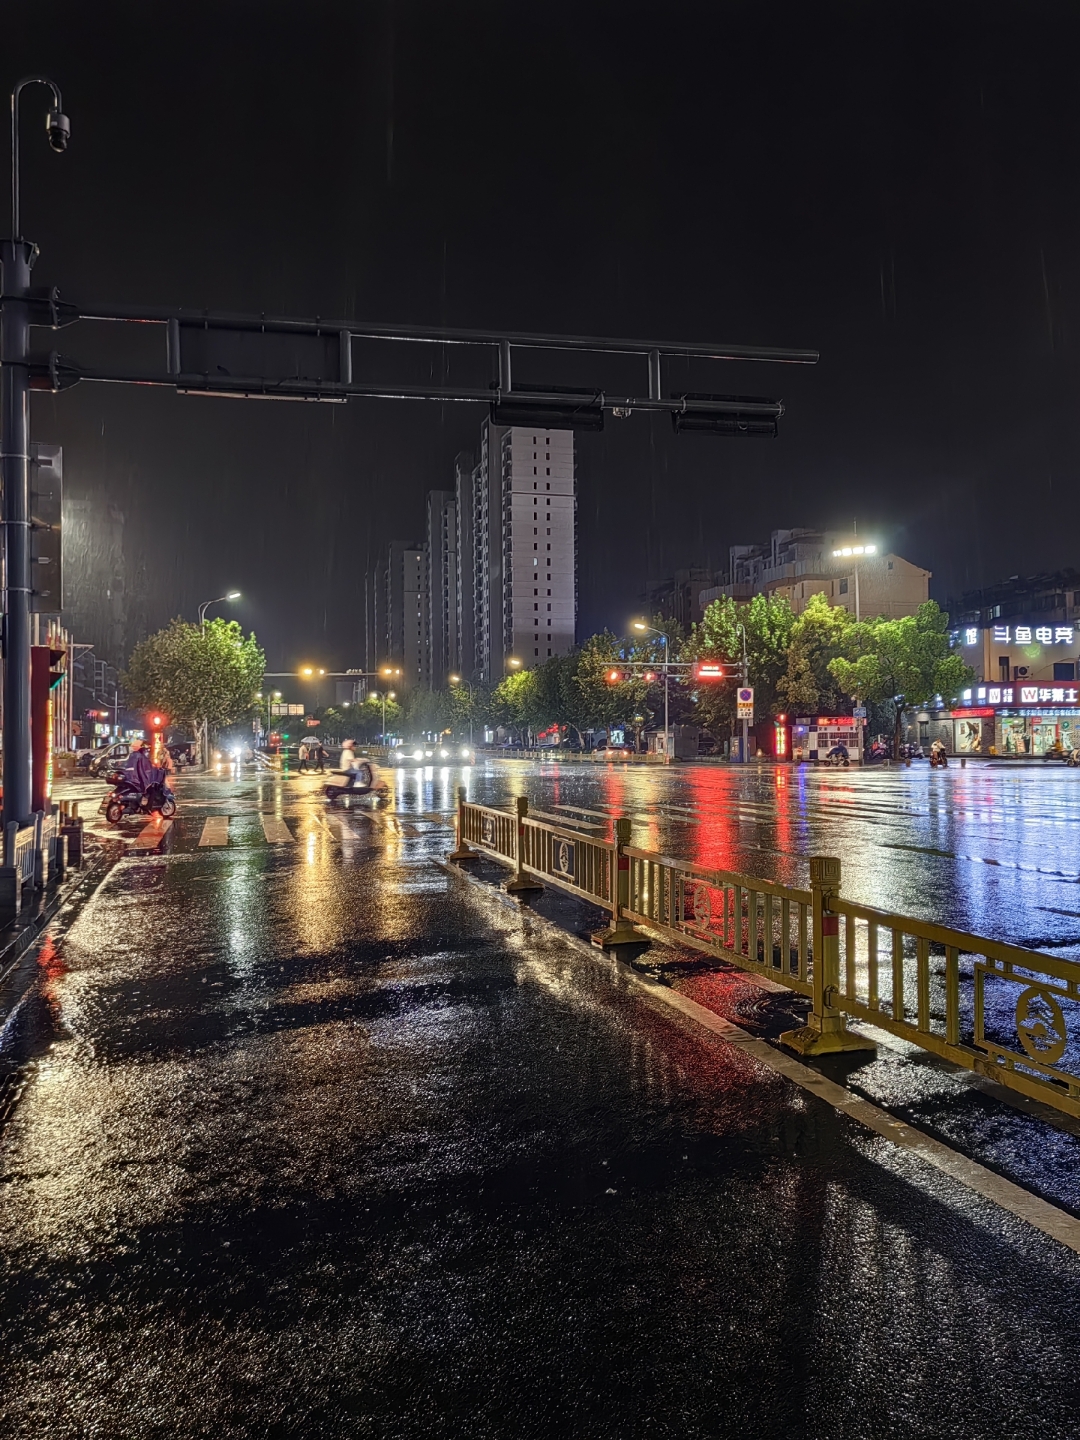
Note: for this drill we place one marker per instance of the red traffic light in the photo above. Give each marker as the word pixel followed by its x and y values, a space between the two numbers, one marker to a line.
pixel 614 676
pixel 650 676
pixel 708 670
pixel 156 722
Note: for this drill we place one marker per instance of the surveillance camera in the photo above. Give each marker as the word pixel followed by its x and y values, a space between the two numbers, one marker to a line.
pixel 59 129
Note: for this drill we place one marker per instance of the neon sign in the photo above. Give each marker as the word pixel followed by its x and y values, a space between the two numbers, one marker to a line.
pixel 1025 635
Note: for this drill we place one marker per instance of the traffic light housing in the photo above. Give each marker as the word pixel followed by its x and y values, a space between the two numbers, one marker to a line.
pixel 735 424
pixel 571 410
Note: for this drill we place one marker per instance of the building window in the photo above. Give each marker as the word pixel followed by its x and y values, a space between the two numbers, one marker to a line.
pixel 890 564
pixel 548 472
pixel 843 587
pixel 1064 669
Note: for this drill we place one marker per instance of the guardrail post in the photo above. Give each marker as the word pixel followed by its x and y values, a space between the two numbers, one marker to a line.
pixel 462 853
pixel 621 931
pixel 521 884
pixel 41 859
pixel 826 1029
pixel 10 879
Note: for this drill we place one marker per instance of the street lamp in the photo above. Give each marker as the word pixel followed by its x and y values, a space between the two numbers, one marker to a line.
pixel 457 680
pixel 17 256
pixel 652 630
pixel 855 553
pixel 232 595
pixel 513 662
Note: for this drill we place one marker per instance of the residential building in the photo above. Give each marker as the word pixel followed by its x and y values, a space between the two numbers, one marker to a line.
pixel 496 578
pixel 849 570
pixel 678 596
pixel 401 611
pixel 442 586
pixel 517 549
pixel 1041 599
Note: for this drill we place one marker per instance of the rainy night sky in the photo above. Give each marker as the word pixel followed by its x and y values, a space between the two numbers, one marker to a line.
pixel 893 185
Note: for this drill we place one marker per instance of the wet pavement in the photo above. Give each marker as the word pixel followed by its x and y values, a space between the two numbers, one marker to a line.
pixel 313 1140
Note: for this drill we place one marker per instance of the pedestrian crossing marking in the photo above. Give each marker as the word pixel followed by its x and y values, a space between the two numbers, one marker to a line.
pixel 276 831
pixel 151 836
pixel 215 831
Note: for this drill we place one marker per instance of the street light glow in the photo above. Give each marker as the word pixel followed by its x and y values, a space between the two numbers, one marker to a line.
pixel 232 595
pixel 855 550
pixel 513 662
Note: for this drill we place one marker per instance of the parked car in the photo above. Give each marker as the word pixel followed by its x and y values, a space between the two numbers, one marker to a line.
pixel 111 758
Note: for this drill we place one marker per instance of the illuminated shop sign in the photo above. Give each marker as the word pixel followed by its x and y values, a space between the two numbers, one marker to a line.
pixel 1024 634
pixel 1022 695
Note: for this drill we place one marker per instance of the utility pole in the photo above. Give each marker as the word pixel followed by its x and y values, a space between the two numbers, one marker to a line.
pixel 745 681
pixel 17 257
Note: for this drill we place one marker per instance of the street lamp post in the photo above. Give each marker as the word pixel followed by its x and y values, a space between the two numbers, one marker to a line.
pixel 232 595
pixel 745 681
pixel 457 680
pixel 17 257
pixel 640 625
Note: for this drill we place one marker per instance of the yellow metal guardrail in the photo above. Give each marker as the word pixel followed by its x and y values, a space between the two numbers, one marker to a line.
pixel 1010 1014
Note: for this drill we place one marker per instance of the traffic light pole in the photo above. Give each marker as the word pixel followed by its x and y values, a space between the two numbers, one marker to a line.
pixel 16 257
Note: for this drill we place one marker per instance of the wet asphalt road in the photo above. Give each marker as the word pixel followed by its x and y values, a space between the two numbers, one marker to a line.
pixel 315 1142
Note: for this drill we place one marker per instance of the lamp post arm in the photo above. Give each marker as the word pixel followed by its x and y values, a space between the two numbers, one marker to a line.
pixel 16 228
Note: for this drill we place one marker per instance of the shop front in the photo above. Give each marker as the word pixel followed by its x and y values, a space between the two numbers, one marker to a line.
pixel 1019 720
pixel 1035 733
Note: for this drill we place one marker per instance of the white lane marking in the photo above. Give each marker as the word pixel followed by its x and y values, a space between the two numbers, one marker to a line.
pixel 151 836
pixel 276 831
pixel 215 830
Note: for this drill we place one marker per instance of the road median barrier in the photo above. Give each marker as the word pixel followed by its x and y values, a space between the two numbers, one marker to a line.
pixel 1009 1014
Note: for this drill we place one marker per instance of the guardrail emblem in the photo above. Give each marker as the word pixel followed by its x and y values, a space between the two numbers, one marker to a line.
pixel 1041 1025
pixel 563 858
pixel 489 831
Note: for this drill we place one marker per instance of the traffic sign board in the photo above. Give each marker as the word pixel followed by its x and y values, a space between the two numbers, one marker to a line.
pixel 858 712
pixel 745 699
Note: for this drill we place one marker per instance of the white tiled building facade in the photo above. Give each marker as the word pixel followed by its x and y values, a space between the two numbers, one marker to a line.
pixel 500 563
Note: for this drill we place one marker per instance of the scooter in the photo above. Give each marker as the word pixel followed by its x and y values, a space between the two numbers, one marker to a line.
pixel 124 799
pixel 939 760
pixel 364 780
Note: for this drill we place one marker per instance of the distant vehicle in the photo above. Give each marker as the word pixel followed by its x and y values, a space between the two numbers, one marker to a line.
pixel 111 758
pixel 614 748
pixel 430 754
pixel 182 752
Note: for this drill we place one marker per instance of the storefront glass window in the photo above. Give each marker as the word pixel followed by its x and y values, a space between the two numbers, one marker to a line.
pixel 1014 737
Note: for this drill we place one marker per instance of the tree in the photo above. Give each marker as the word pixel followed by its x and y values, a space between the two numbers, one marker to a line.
pixel 208 674
pixel 768 621
pixel 906 662
pixel 511 701
pixel 599 702
pixel 808 686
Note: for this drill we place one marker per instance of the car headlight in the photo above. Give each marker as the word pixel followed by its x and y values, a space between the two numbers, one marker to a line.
pixel 429 753
pixel 465 754
pixel 443 754
pixel 418 754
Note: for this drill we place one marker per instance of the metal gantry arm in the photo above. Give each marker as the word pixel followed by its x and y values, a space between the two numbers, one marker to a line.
pixel 330 357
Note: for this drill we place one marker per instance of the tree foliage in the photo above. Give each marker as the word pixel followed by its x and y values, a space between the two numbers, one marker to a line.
pixel 808 686
pixel 768 622
pixel 194 673
pixel 907 661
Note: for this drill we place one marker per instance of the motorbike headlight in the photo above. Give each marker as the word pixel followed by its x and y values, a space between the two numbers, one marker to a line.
pixel 429 753
pixel 443 754
pixel 418 754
